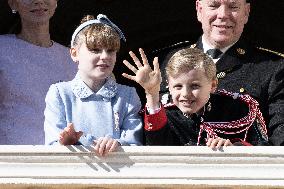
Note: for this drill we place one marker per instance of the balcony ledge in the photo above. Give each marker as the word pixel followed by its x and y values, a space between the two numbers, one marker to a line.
pixel 141 167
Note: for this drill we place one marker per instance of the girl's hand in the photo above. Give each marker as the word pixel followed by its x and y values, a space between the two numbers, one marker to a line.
pixel 217 143
pixel 104 145
pixel 144 75
pixel 69 136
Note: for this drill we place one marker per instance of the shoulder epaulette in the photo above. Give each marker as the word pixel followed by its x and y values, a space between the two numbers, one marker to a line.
pixel 170 46
pixel 274 52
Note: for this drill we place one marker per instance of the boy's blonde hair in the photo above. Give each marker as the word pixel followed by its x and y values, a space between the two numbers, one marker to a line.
pixel 188 59
pixel 97 35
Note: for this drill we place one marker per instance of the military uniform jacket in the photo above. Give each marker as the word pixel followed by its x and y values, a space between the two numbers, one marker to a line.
pixel 251 70
pixel 171 127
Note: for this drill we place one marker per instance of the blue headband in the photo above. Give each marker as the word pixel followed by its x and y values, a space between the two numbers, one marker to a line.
pixel 101 19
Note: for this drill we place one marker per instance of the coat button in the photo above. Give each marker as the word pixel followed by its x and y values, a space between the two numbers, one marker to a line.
pixel 242 90
pixel 241 51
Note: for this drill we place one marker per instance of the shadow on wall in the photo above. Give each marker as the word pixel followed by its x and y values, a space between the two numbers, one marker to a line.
pixel 108 163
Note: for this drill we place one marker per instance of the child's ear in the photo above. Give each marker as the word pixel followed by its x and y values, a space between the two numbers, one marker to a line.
pixel 214 84
pixel 73 53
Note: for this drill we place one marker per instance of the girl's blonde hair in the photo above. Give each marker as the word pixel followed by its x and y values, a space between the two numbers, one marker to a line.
pixel 97 35
pixel 188 59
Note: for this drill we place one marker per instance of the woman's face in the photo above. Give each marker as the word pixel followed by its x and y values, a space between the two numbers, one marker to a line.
pixel 34 11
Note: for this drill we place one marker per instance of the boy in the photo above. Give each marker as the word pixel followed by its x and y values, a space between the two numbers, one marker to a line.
pixel 198 114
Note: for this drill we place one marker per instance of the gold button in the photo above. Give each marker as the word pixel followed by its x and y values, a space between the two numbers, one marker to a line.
pixel 241 51
pixel 242 90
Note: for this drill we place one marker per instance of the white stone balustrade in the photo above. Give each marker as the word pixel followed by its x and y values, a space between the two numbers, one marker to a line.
pixel 60 167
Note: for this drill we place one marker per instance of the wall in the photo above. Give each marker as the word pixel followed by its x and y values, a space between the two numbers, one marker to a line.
pixel 141 167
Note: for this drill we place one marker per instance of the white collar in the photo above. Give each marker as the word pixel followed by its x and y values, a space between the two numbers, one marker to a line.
pixel 81 90
pixel 207 46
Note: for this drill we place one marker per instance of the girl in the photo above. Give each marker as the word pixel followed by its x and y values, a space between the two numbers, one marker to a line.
pixel 93 108
pixel 198 115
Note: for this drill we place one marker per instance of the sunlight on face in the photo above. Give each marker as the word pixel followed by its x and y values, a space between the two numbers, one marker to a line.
pixel 34 12
pixel 94 65
pixel 191 90
pixel 222 20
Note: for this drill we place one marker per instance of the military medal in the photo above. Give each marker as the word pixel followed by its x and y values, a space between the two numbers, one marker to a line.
pixel 221 75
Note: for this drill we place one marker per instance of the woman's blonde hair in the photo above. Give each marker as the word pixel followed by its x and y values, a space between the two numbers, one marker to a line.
pixel 188 59
pixel 97 35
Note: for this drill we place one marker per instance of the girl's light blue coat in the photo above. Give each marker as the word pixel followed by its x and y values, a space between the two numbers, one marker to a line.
pixel 112 111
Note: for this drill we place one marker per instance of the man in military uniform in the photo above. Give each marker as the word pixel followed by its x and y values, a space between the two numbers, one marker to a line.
pixel 241 67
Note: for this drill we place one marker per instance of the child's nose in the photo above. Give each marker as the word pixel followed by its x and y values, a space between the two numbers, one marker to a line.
pixel 104 54
pixel 186 92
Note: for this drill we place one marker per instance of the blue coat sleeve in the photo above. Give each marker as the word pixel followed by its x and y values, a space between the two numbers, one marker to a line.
pixel 55 119
pixel 131 129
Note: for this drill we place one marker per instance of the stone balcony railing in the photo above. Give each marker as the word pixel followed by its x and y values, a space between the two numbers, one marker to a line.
pixel 52 167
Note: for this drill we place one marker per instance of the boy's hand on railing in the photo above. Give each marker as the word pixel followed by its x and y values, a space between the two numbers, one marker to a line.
pixel 69 136
pixel 104 145
pixel 217 143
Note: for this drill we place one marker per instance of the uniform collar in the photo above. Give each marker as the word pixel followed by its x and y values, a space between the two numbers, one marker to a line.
pixel 81 90
pixel 206 46
pixel 235 56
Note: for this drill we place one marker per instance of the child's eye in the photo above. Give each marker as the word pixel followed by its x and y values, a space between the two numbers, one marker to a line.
pixel 96 51
pixel 195 86
pixel 177 87
pixel 111 51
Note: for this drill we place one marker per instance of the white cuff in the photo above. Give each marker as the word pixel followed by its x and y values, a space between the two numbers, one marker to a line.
pixel 153 111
